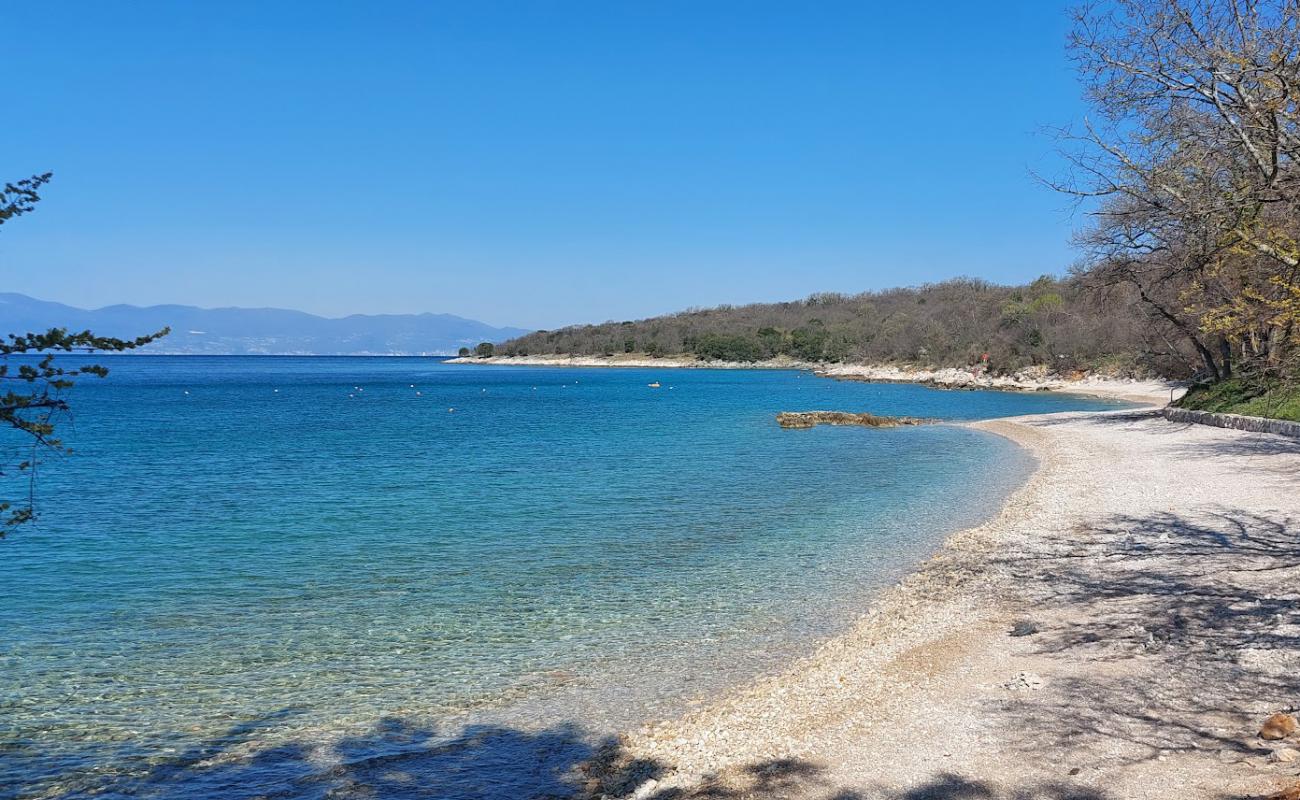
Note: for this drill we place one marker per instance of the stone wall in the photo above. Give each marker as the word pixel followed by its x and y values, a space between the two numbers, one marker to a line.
pixel 1234 421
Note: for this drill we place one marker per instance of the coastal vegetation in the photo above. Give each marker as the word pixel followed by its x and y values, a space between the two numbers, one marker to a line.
pixel 1248 398
pixel 33 394
pixel 1052 321
pixel 1190 169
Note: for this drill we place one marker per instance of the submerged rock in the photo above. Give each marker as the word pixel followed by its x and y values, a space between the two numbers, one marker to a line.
pixel 807 419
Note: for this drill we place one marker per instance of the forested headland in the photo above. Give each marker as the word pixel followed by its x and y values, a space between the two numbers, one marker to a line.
pixel 1056 322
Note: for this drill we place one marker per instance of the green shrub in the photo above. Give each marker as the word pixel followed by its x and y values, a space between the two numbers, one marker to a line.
pixel 726 347
pixel 1237 396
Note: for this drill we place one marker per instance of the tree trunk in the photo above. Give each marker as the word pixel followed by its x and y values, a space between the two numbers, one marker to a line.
pixel 1225 358
pixel 1206 356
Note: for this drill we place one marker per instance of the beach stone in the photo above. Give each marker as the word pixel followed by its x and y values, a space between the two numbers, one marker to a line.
pixel 1278 726
pixel 1284 756
pixel 1024 628
pixel 1024 681
pixel 1292 793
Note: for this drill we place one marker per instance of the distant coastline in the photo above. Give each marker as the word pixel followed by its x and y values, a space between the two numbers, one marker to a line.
pixel 1150 391
pixel 257 331
pixel 145 353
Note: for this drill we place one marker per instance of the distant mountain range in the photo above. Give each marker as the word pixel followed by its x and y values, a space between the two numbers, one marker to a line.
pixel 261 331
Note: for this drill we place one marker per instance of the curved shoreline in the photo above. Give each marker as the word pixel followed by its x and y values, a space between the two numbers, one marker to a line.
pixel 899 620
pixel 1153 391
pixel 929 684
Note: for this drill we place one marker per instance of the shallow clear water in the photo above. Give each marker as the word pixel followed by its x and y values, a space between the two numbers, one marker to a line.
pixel 248 557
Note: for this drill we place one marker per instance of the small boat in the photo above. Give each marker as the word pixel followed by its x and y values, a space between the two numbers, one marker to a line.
pixel 654 385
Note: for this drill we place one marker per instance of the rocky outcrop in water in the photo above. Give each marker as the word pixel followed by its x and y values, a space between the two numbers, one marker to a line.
pixel 807 419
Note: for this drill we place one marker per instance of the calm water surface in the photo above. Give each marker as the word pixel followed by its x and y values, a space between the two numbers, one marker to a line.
pixel 256 569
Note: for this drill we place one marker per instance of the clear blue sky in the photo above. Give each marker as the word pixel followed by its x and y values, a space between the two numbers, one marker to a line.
pixel 529 163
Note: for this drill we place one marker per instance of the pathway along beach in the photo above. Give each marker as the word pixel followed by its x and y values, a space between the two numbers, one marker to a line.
pixel 1120 630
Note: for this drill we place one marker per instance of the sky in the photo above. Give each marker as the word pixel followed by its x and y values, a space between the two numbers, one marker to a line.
pixel 530 163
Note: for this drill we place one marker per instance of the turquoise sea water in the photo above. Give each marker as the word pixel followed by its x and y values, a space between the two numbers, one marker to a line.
pixel 255 570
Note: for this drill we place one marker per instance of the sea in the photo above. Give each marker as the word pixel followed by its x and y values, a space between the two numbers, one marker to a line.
pixel 317 577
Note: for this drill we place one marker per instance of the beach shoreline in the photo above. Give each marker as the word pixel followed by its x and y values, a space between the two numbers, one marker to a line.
pixel 1081 638
pixel 1147 391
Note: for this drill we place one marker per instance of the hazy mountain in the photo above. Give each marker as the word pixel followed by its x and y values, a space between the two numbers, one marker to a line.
pixel 257 330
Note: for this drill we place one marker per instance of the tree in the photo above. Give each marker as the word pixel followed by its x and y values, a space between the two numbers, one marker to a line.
pixel 463 352
pixel 34 390
pixel 20 197
pixel 484 350
pixel 1194 161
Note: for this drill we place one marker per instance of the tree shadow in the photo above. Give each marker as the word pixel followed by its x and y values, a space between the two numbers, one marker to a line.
pixel 1243 444
pixel 956 787
pixel 1184 631
pixel 1230 443
pixel 397 759
pixel 1111 419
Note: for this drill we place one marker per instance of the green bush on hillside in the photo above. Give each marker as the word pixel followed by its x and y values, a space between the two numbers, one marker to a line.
pixel 1236 396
